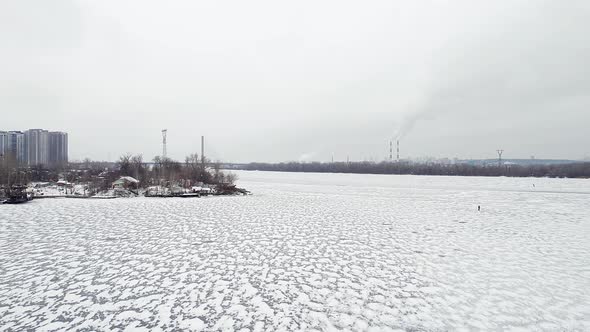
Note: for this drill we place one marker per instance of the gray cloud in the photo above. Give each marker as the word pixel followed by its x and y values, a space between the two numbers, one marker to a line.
pixel 269 81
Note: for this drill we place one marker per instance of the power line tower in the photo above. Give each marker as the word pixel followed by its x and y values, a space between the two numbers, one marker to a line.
pixel 500 157
pixel 164 151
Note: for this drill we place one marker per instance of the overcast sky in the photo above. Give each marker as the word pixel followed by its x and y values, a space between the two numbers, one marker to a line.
pixel 300 80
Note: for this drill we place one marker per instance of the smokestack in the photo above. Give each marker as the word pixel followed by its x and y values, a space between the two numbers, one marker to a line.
pixel 390 151
pixel 397 150
pixel 164 151
pixel 203 150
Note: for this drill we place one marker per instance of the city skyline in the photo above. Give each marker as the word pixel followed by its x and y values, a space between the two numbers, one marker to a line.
pixel 35 146
pixel 55 151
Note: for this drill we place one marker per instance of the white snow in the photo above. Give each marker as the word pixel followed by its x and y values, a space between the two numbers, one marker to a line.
pixel 306 252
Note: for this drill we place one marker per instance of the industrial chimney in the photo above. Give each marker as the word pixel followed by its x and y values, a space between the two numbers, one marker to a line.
pixel 390 151
pixel 203 151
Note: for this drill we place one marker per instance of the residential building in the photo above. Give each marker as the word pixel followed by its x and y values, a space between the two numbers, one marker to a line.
pixel 37 141
pixel 58 148
pixel 35 147
pixel 3 143
pixel 17 146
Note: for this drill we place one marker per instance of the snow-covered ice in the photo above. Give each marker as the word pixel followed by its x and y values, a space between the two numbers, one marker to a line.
pixel 305 252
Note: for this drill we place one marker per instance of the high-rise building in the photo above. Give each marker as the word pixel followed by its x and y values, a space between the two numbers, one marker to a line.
pixel 35 147
pixel 3 143
pixel 37 141
pixel 17 146
pixel 58 148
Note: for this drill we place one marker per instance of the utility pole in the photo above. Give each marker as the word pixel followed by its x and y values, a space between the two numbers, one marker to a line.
pixel 164 151
pixel 500 157
pixel 397 150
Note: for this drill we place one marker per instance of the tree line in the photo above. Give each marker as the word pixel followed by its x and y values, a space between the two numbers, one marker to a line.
pixel 573 170
pixel 164 171
pixel 100 175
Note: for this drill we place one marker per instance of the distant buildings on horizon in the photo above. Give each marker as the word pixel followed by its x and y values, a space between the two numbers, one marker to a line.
pixel 35 147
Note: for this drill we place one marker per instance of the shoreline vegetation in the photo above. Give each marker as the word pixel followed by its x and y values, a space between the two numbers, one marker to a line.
pixel 130 176
pixel 569 170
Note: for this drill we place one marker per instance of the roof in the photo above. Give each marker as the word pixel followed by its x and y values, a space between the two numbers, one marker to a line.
pixel 124 179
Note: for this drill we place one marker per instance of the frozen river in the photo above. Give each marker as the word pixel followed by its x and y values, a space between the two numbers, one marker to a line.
pixel 305 252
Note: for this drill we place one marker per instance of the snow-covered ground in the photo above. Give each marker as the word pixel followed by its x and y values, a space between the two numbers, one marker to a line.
pixel 306 251
pixel 53 190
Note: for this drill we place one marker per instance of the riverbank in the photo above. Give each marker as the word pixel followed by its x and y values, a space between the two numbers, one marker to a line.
pixel 562 170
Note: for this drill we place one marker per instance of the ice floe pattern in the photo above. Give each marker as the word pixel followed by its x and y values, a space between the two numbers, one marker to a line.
pixel 346 254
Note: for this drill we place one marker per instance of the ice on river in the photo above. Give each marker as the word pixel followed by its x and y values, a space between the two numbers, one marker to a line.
pixel 305 252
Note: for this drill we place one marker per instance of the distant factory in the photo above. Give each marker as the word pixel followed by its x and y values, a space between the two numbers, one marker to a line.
pixel 35 147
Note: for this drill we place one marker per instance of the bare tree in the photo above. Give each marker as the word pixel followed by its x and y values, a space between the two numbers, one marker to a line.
pixel 138 168
pixel 231 178
pixel 124 164
pixel 192 167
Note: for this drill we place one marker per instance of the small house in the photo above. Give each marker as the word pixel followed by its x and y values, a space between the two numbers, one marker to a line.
pixel 126 182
